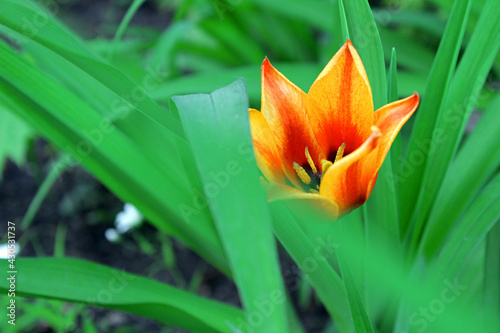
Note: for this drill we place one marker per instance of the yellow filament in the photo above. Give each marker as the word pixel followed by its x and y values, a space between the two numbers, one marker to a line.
pixel 340 153
pixel 310 161
pixel 302 173
pixel 325 164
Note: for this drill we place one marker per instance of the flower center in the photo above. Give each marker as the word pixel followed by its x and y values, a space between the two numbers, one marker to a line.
pixel 309 175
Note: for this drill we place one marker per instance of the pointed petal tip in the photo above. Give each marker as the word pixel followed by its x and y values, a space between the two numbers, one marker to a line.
pixel 415 99
pixel 265 63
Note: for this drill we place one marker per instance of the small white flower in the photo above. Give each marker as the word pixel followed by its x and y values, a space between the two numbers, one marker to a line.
pixel 111 235
pixel 129 218
pixel 4 250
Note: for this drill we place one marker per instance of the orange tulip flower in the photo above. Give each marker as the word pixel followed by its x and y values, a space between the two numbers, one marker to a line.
pixel 325 146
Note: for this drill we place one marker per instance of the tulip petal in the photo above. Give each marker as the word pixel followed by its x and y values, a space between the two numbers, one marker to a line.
pixel 389 119
pixel 340 103
pixel 284 107
pixel 348 181
pixel 300 202
pixel 266 151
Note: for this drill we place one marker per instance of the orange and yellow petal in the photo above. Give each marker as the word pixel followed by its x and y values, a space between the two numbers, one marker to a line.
pixel 284 107
pixel 348 181
pixel 266 151
pixel 389 119
pixel 340 103
pixel 301 202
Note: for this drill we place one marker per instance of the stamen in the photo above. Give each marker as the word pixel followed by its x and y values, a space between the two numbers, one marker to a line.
pixel 340 153
pixel 301 172
pixel 325 164
pixel 310 161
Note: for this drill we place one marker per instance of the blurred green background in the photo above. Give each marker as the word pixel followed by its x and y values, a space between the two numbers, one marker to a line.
pixel 181 47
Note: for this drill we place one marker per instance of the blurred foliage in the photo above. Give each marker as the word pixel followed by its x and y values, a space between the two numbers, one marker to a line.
pixel 103 100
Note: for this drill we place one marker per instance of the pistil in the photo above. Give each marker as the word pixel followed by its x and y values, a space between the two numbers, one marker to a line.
pixel 307 172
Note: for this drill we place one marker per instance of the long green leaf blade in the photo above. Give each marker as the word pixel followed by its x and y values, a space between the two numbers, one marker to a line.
pixel 217 126
pixel 317 268
pixel 430 108
pixel 475 164
pixel 85 282
pixel 464 93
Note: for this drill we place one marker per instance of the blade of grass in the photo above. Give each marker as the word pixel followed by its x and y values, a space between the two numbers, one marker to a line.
pixel 58 167
pixel 134 7
pixel 432 105
pixel 98 285
pixel 217 127
pixel 60 240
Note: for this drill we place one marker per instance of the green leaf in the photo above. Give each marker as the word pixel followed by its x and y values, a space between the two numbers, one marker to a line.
pixel 343 20
pixel 392 78
pixel 358 312
pixel 366 40
pixel 392 95
pixel 134 7
pixel 471 230
pixel 56 169
pixel 234 39
pixel 56 38
pixel 412 54
pixel 18 134
pixel 162 53
pixel 85 282
pixel 464 93
pixel 217 127
pixel 492 270
pixel 426 118
pixel 426 21
pixel 313 254
pixel 129 171
pixel 476 162
pixel 319 14
pixel 137 128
